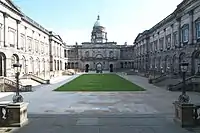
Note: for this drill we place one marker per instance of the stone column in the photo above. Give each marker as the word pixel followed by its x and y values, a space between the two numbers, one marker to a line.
pixel 164 41
pixel 5 15
pixel 172 32
pixel 179 32
pixel 26 46
pixel 191 27
pixel 18 36
pixel 33 43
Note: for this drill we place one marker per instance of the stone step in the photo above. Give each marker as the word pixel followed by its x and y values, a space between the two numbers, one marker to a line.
pixel 29 82
pixel 168 81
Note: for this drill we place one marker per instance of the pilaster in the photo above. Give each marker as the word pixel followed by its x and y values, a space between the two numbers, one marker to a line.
pixel 18 36
pixel 179 32
pixel 26 46
pixel 172 33
pixel 191 27
pixel 5 16
pixel 164 41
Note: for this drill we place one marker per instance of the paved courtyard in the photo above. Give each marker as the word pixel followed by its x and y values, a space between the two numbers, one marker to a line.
pixel 149 111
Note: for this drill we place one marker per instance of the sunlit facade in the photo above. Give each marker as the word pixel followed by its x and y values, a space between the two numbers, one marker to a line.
pixel 173 40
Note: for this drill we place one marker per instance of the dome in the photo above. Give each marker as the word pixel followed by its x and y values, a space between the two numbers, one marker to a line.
pixel 97 23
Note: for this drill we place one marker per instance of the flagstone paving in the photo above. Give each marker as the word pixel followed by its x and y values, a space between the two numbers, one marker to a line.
pixel 135 112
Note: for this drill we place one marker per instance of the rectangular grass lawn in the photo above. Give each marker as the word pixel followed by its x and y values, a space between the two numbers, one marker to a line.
pixel 99 82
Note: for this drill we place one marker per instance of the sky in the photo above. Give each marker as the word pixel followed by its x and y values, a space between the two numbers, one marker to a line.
pixel 73 20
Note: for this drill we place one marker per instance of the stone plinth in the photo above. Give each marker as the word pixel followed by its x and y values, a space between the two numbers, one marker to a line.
pixel 184 114
pixel 17 115
pixel 13 114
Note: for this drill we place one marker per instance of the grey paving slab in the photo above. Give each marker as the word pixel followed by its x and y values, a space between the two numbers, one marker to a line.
pixel 51 111
pixel 95 124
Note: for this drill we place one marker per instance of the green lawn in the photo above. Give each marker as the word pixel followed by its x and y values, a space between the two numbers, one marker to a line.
pixel 99 82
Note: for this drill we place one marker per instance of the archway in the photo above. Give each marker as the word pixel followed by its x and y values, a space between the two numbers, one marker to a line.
pixel 24 65
pixel 37 66
pixel 2 64
pixel 31 67
pixel 174 64
pixel 72 67
pixel 54 65
pixel 76 65
pixel 122 65
pixel 167 65
pixel 87 68
pixel 65 66
pixel 195 61
pixel 14 59
pixel 43 66
pixel 111 67
pixel 125 64
pixel 68 65
pixel 61 65
pixel 99 68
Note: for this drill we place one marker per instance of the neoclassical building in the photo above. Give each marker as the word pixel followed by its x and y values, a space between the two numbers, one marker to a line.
pixel 44 54
pixel 174 39
pixel 99 53
pixel 23 40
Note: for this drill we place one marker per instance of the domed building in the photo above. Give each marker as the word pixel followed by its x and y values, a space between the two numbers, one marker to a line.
pixel 99 35
pixel 99 54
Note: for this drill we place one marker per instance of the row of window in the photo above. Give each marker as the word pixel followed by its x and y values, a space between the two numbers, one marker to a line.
pixel 33 45
pixel 111 54
pixel 185 38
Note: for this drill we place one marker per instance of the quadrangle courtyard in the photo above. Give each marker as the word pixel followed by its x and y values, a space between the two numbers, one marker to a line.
pixel 149 111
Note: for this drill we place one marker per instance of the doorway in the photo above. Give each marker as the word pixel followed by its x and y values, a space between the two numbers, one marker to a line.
pixel 87 68
pixel 111 67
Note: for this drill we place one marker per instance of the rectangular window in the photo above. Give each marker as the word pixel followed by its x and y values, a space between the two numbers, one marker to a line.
pixel 22 41
pixel 42 47
pixel 156 45
pixel 36 46
pixel 29 43
pixel 161 43
pixel 168 41
pixel 185 33
pixel 11 39
pixel 175 38
pixel 198 30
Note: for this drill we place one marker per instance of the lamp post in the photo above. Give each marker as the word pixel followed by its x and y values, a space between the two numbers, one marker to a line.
pixel 184 98
pixel 17 97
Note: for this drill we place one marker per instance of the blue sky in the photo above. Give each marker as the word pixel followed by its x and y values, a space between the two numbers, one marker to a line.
pixel 74 19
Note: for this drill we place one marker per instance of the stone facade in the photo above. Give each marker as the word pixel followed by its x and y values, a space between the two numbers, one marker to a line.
pixel 99 53
pixel 25 41
pixel 43 53
pixel 173 40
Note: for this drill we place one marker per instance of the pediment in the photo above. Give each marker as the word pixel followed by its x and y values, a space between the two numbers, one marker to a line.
pixel 11 5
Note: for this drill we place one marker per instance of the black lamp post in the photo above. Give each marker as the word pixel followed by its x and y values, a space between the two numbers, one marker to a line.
pixel 17 97
pixel 184 98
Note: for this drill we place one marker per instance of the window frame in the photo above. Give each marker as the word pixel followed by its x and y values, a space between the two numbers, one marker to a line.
pixel 197 26
pixel 185 35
